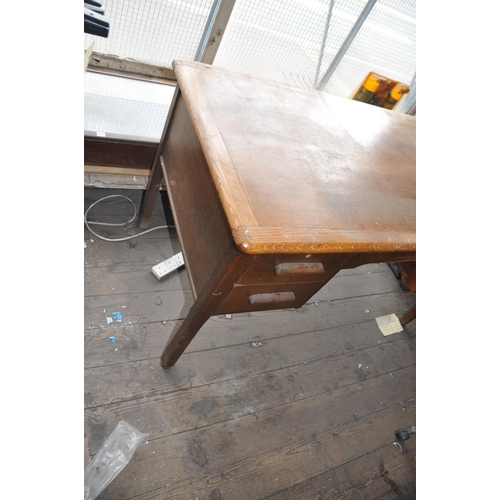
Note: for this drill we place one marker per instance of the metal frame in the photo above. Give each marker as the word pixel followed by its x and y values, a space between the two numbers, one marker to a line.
pixel 210 41
pixel 214 30
pixel 209 44
pixel 323 43
pixel 347 43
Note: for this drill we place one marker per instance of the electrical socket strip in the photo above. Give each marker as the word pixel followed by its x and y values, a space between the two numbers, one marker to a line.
pixel 167 266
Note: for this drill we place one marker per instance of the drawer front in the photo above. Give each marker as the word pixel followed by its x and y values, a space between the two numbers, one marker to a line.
pixel 270 269
pixel 247 298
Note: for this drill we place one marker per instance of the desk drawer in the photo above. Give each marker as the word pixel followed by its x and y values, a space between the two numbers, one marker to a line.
pixel 247 298
pixel 269 269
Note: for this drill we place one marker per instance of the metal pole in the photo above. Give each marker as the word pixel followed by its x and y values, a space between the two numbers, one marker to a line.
pixel 347 43
pixel 206 31
pixel 325 34
pixel 214 29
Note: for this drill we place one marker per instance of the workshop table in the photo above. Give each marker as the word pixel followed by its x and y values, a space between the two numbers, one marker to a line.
pixel 274 189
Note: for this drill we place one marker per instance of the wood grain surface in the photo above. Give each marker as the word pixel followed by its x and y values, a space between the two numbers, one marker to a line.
pixel 299 170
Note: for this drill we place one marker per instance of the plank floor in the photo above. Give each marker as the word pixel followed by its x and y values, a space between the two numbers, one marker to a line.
pixel 293 404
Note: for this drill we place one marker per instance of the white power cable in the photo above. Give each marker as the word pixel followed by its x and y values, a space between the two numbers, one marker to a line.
pixel 87 223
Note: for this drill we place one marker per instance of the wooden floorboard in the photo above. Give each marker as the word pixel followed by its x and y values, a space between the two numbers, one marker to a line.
pixel 293 404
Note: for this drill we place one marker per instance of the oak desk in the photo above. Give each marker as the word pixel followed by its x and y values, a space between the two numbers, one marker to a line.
pixel 274 189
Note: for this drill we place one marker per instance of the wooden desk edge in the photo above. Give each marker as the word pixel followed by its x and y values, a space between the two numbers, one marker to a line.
pixel 264 240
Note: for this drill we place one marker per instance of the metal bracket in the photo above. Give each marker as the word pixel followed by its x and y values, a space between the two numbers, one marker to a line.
pixel 167 266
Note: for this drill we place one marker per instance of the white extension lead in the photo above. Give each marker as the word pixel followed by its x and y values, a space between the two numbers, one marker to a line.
pixel 161 269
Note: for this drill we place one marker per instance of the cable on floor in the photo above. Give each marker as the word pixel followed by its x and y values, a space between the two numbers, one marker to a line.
pixel 95 223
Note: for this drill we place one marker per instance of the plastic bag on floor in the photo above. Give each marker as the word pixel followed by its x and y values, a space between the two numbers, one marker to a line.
pixel 113 456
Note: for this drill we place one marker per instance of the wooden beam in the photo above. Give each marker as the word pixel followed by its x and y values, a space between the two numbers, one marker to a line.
pixel 130 68
pixel 100 169
pixel 120 153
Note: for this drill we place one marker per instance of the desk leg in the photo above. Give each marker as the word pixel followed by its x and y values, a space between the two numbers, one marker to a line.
pixel 149 198
pixel 231 266
pixel 199 313
pixel 409 315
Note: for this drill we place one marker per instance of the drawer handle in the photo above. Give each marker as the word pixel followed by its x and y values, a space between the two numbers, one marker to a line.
pixel 271 298
pixel 300 268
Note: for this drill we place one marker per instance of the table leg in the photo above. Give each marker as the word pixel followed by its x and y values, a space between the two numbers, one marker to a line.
pixel 199 313
pixel 409 315
pixel 231 266
pixel 149 198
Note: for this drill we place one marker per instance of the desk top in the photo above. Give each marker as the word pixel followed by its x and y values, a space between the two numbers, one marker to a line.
pixel 299 170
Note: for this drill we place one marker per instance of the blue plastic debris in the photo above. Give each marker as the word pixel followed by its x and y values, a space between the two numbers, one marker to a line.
pixel 117 316
pixel 112 338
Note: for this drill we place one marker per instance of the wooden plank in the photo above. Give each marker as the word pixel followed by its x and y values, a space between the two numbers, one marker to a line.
pixel 130 68
pixel 255 456
pixel 395 477
pixel 366 269
pixel 115 181
pixel 170 299
pixel 103 169
pixel 199 405
pixel 119 152
pixel 342 286
pixel 239 329
pixel 117 382
pixel 362 259
pixel 127 279
pixel 137 308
